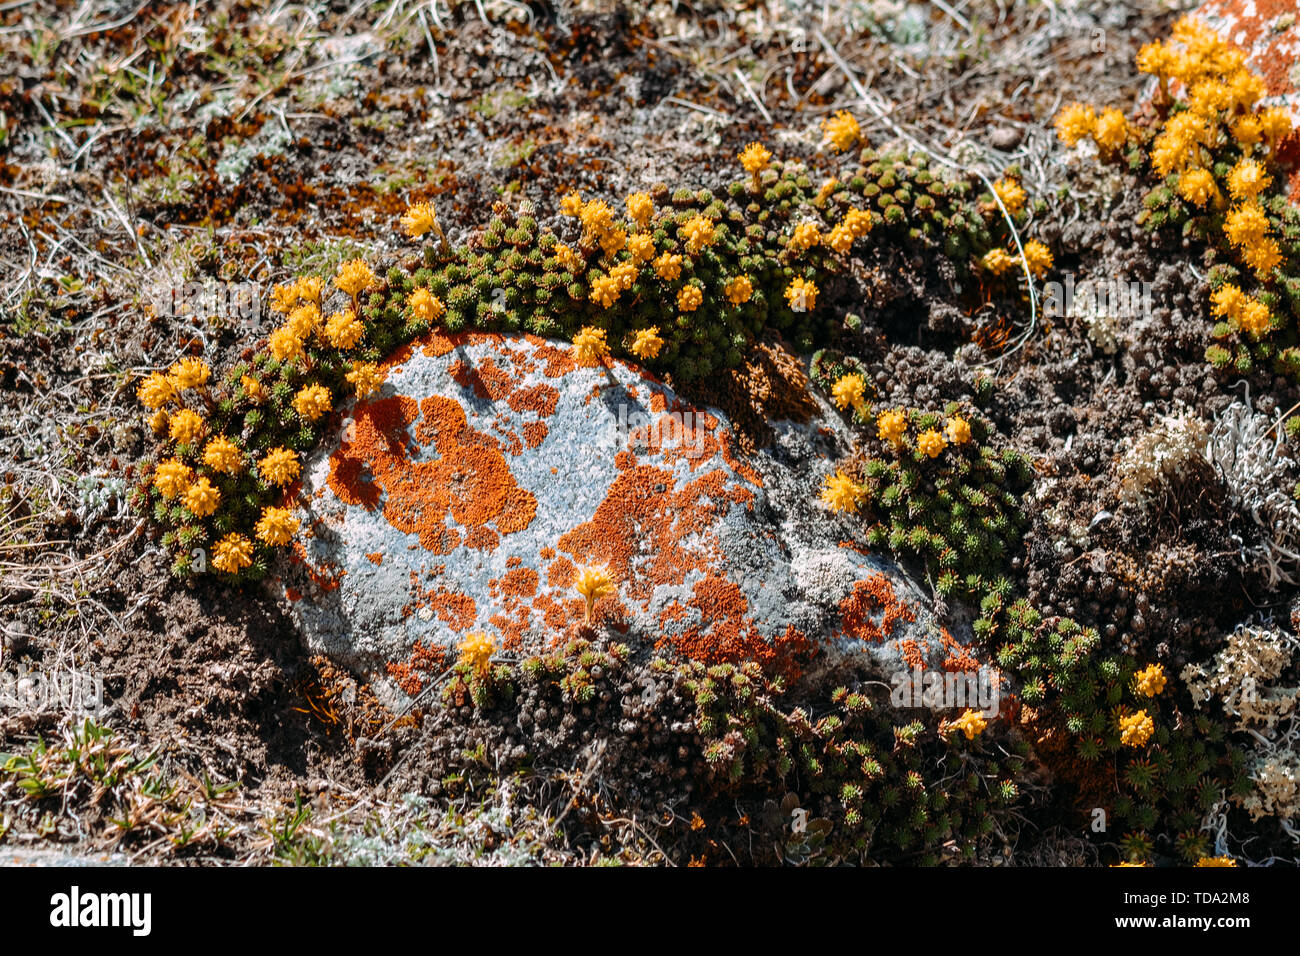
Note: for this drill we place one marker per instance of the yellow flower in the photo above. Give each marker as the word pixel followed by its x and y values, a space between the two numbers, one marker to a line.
pixel 641 247
pixel 1197 186
pixel 1275 123
pixel 171 478
pixel 344 330
pixel 158 422
pixel 233 553
pixel 354 277
pixel 426 306
pixel 1248 179
pixel 186 426
pixel 284 297
pixel 930 443
pixel 971 723
pixel 1247 131
pixel 156 390
pixel 647 343
pixel 1128 863
pixel 1012 195
pixel 309 289
pixel 567 258
pixel 640 207
pixel 593 584
pixel 1254 317
pixel 605 291
pixel 1262 257
pixel 957 430
pixel 1245 89
pixel 700 234
pixel 1216 861
pixel 689 298
pixel 303 320
pixel 1039 258
pixel 1111 131
pixel 755 158
pixel 668 266
pixel 312 402
pixel 254 389
pixel 891 426
pixel 279 467
pixel 612 241
pixel 804 238
pixel 1227 300
pixel 589 346
pixel 858 222
pixel 840 492
pixel 997 262
pixel 202 497
pixel 418 219
pixel 849 390
pixel 840 239
pixel 189 373
pixel 802 295
pixel 738 290
pixel 596 217
pixel 1150 681
pixel 624 274
pixel 476 650
pixel 277 526
pixel 285 345
pixel 366 378
pixel 223 456
pixel 841 130
pixel 1155 58
pixel 571 204
pixel 1136 729
pixel 1074 122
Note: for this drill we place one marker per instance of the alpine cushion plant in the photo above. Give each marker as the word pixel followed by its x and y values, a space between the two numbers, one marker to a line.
pixel 687 283
pixel 1213 157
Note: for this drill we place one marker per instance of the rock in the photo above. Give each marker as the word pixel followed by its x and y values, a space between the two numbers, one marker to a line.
pixel 1005 138
pixel 463 496
pixel 14 637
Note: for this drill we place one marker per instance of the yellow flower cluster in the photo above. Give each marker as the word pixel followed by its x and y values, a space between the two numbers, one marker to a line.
pixel 419 219
pixel 930 443
pixel 647 343
pixel 589 346
pixel 366 378
pixel 641 208
pixel 841 130
pixel 233 553
pixel 971 723
pixel 805 236
pixel 668 266
pixel 738 290
pixel 567 258
pixel 312 401
pixel 850 391
pixel 755 158
pixel 1216 861
pixel 840 492
pixel 1136 729
pixel 891 426
pixel 354 277
pixel 426 306
pixel 279 467
pixel 699 233
pixel 802 295
pixel 344 330
pixel 1011 193
pixel 689 298
pixel 277 526
pixel 1243 312
pixel 476 650
pixel 1248 229
pixel 593 584
pixel 1149 681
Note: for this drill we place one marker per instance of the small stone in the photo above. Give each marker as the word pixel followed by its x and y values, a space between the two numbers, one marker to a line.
pixel 1005 138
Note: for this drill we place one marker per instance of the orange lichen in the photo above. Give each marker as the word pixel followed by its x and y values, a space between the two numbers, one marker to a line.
pixel 870 595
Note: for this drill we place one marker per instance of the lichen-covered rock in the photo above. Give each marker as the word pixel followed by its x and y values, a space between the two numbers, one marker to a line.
pixel 464 496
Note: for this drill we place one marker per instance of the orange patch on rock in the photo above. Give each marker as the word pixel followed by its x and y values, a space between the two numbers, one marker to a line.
pixel 857 610
pixel 470 481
